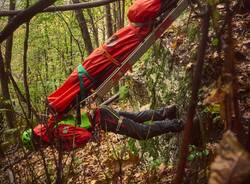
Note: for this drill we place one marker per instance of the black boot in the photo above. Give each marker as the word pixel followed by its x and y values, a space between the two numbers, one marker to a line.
pixel 170 112
pixel 174 125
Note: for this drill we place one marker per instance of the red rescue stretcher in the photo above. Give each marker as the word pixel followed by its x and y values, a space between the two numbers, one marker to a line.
pixel 108 63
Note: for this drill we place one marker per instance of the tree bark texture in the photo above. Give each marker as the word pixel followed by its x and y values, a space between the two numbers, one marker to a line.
pixel 230 77
pixel 6 64
pixel 108 19
pixel 94 28
pixel 194 96
pixel 115 18
pixel 70 7
pixel 84 29
pixel 25 67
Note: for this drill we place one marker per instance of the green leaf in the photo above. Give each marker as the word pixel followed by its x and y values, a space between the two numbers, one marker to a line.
pixel 191 157
pixel 150 122
pixel 215 42
pixel 123 92
pixel 205 152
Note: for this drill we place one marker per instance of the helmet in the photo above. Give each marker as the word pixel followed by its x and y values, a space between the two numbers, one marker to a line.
pixel 27 139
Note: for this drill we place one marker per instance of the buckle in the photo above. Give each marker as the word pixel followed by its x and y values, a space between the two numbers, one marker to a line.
pixel 119 124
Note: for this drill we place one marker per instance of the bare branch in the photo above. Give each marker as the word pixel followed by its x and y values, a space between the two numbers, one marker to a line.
pixel 69 7
pixel 23 17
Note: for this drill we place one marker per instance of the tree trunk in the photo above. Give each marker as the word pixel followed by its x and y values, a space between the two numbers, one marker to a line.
pixel 6 67
pixel 114 10
pixel 25 78
pixel 94 27
pixel 119 15
pixel 84 29
pixel 122 13
pixel 108 20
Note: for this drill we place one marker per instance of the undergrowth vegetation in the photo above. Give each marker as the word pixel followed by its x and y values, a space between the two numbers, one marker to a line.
pixel 164 75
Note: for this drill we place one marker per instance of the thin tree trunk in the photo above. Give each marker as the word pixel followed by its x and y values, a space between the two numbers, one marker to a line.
pixel 5 93
pixel 95 28
pixel 123 13
pixel 108 20
pixel 114 10
pixel 21 96
pixel 84 29
pixel 194 96
pixel 231 77
pixel 25 78
pixel 10 116
pixel 119 14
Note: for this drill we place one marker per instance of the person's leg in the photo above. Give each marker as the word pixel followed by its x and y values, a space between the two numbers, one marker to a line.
pixel 154 115
pixel 110 121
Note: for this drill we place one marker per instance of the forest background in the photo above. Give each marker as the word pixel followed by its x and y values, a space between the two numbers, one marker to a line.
pixel 201 64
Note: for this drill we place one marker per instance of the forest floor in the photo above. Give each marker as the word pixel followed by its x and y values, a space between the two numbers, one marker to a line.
pixel 109 160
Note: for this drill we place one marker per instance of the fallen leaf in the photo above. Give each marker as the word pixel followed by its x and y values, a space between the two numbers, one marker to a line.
pixel 232 164
pixel 215 96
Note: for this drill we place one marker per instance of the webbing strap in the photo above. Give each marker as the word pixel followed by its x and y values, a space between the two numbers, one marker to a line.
pixel 85 123
pixel 70 120
pixel 107 55
pixel 119 118
pixel 83 72
pixel 139 24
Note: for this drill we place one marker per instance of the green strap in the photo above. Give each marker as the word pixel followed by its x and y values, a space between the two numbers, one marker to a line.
pixel 70 120
pixel 85 123
pixel 81 72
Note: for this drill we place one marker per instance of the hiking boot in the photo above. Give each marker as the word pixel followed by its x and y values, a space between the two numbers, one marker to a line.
pixel 176 125
pixel 170 112
pixel 167 125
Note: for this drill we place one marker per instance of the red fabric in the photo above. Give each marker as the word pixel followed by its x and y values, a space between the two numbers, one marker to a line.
pixel 71 136
pixel 143 11
pixel 41 129
pixel 119 46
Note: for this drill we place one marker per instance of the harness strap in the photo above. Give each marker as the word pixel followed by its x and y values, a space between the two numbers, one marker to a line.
pixel 83 72
pixel 70 120
pixel 107 55
pixel 140 24
pixel 119 118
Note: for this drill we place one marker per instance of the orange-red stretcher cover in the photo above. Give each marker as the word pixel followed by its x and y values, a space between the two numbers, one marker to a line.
pixel 70 136
pixel 98 66
pixel 144 11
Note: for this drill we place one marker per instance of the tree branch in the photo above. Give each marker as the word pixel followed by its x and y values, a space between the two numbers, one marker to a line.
pixel 110 100
pixel 77 6
pixel 194 97
pixel 23 17
pixel 22 97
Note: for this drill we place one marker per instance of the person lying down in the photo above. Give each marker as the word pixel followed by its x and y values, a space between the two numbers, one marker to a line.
pixel 71 135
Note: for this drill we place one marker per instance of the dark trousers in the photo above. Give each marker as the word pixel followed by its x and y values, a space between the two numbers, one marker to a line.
pixel 131 124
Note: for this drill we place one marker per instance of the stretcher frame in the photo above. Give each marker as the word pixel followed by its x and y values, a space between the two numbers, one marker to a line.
pixel 156 33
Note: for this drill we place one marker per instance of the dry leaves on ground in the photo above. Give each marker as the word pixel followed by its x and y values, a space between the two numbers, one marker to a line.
pixel 232 164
